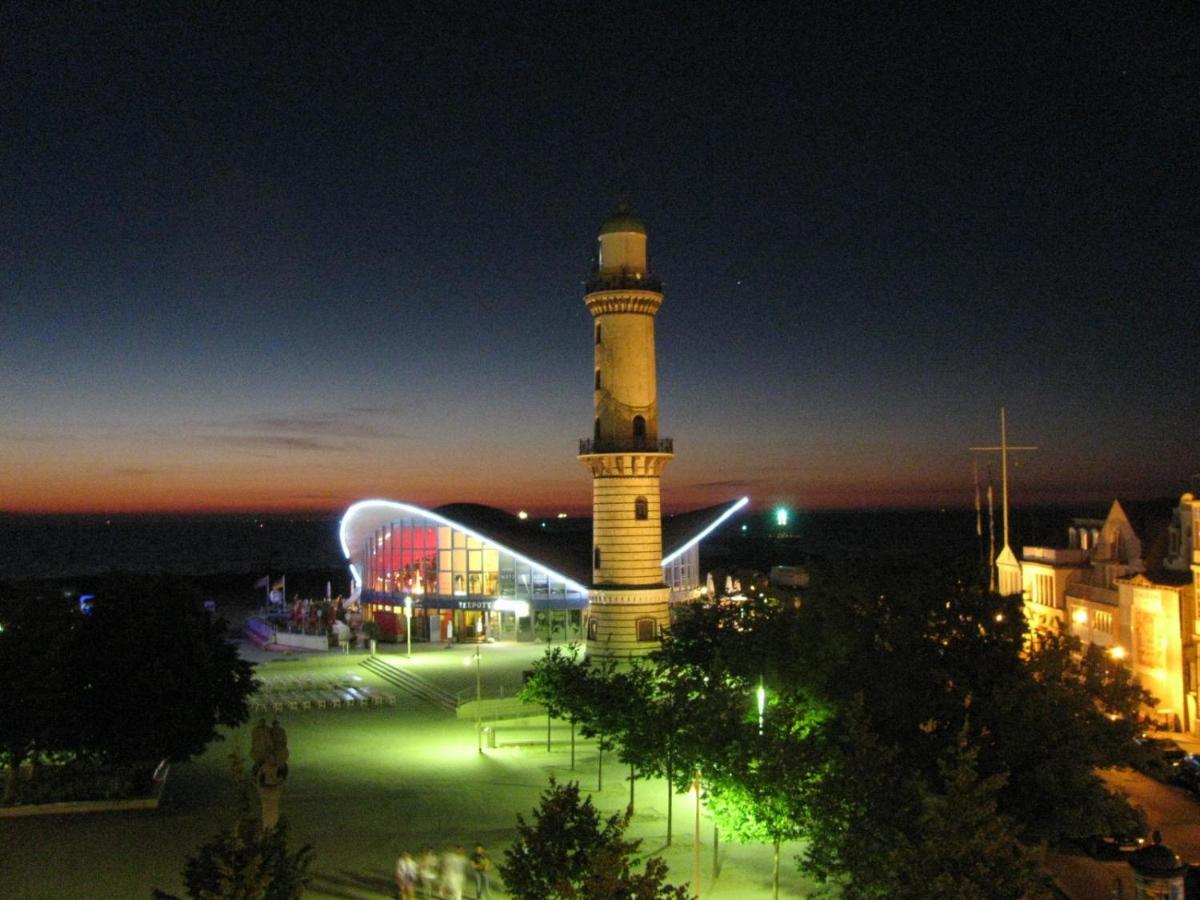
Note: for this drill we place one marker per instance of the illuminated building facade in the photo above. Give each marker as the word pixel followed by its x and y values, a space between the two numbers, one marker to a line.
pixel 472 573
pixel 1132 590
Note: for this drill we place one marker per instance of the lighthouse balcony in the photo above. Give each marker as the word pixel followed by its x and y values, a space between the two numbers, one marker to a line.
pixel 633 445
pixel 616 281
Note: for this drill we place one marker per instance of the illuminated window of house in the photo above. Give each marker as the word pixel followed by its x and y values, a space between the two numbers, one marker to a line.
pixel 1102 622
pixel 592 631
pixel 641 508
pixel 647 629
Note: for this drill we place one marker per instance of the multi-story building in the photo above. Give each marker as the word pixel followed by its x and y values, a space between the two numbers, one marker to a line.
pixel 1131 589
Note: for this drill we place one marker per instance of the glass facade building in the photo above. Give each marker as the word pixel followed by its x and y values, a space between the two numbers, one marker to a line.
pixel 461 585
pixel 481 575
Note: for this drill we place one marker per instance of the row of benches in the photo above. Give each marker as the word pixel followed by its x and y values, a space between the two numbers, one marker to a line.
pixel 277 700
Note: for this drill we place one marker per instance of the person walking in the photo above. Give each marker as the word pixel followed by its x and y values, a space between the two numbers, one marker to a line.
pixel 454 873
pixel 427 872
pixel 406 876
pixel 480 864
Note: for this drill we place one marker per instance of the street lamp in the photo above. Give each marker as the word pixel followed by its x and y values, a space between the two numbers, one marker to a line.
pixel 478 697
pixel 408 623
pixel 696 860
pixel 762 703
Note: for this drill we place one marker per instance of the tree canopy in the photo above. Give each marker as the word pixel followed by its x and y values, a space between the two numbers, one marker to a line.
pixel 569 852
pixel 146 674
pixel 895 698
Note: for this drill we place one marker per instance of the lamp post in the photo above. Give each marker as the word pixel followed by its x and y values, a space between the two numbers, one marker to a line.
pixel 478 697
pixel 762 703
pixel 696 855
pixel 408 624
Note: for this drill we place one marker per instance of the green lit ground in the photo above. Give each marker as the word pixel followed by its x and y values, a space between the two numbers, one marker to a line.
pixel 365 784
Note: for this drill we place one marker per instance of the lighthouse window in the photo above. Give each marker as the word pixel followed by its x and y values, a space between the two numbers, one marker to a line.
pixel 597 334
pixel 596 558
pixel 597 379
pixel 596 432
pixel 647 629
pixel 639 429
pixel 641 509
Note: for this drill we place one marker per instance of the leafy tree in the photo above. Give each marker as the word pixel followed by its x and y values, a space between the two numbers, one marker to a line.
pixel 246 861
pixel 960 847
pixel 36 715
pixel 153 674
pixel 872 678
pixel 570 852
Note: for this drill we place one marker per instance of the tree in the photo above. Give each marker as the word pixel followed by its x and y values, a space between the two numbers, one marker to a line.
pixel 960 847
pixel 246 861
pixel 872 679
pixel 153 674
pixel 36 707
pixel 569 852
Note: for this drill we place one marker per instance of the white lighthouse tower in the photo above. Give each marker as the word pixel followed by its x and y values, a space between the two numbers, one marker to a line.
pixel 628 602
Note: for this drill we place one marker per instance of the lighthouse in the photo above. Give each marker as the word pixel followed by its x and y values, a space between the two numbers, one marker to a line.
pixel 627 600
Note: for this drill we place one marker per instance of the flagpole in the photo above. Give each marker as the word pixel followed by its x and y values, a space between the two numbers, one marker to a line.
pixel 991 538
pixel 1004 470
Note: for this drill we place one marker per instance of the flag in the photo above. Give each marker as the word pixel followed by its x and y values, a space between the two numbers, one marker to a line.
pixel 263 582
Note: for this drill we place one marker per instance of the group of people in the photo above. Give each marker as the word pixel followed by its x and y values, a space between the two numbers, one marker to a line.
pixel 442 877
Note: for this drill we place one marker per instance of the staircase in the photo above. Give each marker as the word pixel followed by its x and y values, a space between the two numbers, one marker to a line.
pixel 411 684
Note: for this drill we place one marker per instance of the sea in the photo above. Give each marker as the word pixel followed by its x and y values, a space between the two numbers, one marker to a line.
pixel 58 546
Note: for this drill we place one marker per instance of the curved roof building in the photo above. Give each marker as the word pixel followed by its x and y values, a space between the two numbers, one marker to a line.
pixel 475 572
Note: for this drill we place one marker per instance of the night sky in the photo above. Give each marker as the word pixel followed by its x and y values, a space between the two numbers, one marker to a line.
pixel 275 256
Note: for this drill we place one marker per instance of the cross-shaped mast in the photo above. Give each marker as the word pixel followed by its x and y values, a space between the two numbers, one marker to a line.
pixel 1004 449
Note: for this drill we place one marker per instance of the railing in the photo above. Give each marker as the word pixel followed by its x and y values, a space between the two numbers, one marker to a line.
pixel 1092 593
pixel 662 445
pixel 1053 555
pixel 623 280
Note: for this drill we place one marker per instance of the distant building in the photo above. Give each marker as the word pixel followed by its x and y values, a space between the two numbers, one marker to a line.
pixel 1128 583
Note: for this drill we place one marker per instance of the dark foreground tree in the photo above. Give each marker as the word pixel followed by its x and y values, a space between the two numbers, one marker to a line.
pixel 570 852
pixel 246 861
pixel 154 675
pixel 35 713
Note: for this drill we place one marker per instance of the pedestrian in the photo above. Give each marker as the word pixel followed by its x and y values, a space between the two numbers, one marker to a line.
pixel 427 872
pixel 480 865
pixel 406 876
pixel 454 873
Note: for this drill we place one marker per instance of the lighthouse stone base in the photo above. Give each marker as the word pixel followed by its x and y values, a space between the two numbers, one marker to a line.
pixel 626 622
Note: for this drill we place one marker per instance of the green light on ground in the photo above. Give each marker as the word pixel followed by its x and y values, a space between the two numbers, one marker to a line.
pixel 781 515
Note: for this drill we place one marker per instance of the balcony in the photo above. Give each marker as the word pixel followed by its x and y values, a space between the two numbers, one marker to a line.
pixel 1092 593
pixel 1055 556
pixel 636 445
pixel 618 281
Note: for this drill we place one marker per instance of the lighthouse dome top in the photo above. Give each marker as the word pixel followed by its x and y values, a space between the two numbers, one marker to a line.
pixel 623 221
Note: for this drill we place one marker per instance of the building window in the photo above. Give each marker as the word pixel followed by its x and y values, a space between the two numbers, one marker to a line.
pixel 596 558
pixel 592 631
pixel 596 432
pixel 647 630
pixel 597 334
pixel 1102 622
pixel 641 508
pixel 597 379
pixel 639 430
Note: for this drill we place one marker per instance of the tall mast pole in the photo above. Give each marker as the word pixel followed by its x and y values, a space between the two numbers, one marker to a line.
pixel 1004 470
